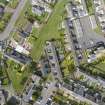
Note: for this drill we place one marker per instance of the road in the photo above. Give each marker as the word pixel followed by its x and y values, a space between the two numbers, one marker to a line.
pixel 4 35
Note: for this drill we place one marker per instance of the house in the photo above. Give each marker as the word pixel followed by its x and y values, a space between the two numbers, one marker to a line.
pixel 38 10
pixel 1 11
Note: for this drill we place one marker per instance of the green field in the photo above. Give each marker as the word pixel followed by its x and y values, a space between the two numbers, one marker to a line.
pixel 89 6
pixel 50 29
pixel 13 3
pixel 4 2
pixel 17 76
pixel 95 69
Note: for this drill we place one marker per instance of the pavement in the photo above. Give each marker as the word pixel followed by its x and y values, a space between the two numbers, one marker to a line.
pixel 4 35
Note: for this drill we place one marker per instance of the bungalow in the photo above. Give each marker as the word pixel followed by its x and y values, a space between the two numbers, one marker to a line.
pixel 38 10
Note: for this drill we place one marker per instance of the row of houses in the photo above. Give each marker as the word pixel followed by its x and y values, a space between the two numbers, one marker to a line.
pixel 40 7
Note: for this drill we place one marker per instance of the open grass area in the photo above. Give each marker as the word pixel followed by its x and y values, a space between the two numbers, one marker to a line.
pixel 3 2
pixel 50 29
pixel 17 76
pixel 13 3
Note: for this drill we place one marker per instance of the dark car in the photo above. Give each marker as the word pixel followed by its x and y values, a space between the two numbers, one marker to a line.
pixel 101 43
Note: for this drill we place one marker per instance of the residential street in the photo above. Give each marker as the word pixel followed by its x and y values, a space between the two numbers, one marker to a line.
pixel 13 20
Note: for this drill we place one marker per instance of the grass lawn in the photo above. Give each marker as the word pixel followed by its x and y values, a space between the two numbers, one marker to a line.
pixel 89 6
pixel 17 76
pixel 4 2
pixel 50 29
pixel 13 3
